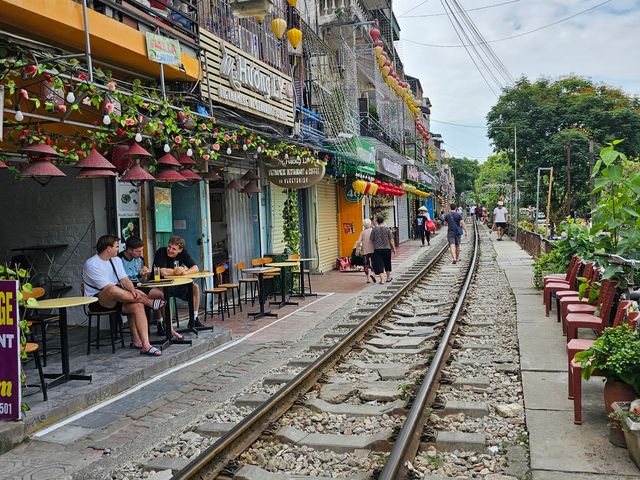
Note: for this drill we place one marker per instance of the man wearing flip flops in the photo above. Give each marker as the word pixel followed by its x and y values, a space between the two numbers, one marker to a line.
pixel 104 277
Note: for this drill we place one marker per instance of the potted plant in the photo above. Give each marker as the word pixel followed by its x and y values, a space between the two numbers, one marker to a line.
pixel 626 416
pixel 615 355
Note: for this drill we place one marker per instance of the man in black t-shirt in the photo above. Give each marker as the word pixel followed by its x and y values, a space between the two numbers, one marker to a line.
pixel 175 260
pixel 455 228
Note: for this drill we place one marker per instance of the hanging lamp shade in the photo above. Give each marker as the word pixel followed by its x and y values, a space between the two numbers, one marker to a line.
pixel 95 160
pixel 190 175
pixel 169 175
pixel 40 149
pixel 251 187
pixel 211 176
pixel 249 175
pixel 186 161
pixel 95 173
pixel 278 27
pixel 295 37
pixel 292 3
pixel 41 170
pixel 234 185
pixel 136 150
pixel 259 19
pixel 168 160
pixel 136 175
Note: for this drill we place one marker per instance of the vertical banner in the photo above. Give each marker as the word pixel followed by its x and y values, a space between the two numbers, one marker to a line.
pixel 10 388
pixel 128 205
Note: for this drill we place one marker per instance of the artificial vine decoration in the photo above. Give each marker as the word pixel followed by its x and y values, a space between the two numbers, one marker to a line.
pixel 291 227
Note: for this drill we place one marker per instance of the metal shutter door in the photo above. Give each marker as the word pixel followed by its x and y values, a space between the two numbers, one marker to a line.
pixel 403 218
pixel 278 197
pixel 327 224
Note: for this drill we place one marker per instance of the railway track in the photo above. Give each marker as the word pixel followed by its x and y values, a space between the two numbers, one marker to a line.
pixel 382 367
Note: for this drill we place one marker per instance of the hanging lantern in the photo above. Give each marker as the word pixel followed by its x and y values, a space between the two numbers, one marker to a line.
pixel 249 175
pixel 278 27
pixel 259 19
pixel 211 176
pixel 381 59
pixel 295 37
pixel 385 71
pixel 234 185
pixel 41 170
pixel 251 187
pixel 292 3
pixel 190 175
pixel 374 33
pixel 169 175
pixel 373 188
pixel 95 165
pixel 136 175
pixel 377 51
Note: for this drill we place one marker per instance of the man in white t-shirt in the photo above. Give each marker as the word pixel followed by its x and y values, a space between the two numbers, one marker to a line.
pixel 104 277
pixel 500 219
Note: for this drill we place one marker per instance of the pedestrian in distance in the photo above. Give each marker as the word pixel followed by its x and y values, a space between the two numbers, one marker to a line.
pixel 455 229
pixel 383 245
pixel 134 266
pixel 104 277
pixel 364 247
pixel 500 219
pixel 421 225
pixel 478 212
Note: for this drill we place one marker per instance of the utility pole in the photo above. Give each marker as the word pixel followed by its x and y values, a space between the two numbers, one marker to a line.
pixel 591 163
pixel 515 177
pixel 569 179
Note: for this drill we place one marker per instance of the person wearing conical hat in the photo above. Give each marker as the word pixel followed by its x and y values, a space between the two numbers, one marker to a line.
pixel 421 225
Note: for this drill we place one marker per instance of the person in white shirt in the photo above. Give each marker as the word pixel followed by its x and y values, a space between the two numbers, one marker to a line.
pixel 104 277
pixel 500 219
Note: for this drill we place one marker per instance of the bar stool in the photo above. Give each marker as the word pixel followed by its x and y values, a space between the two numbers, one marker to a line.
pixel 41 320
pixel 223 300
pixel 247 282
pixel 274 276
pixel 229 286
pixel 115 325
pixel 32 349
pixel 305 271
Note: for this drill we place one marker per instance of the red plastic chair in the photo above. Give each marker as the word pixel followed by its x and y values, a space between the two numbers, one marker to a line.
pixel 571 297
pixel 607 297
pixel 562 277
pixel 575 368
pixel 570 284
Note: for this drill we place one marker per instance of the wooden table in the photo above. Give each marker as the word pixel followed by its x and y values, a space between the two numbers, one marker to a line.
pixel 61 304
pixel 202 276
pixel 302 294
pixel 260 271
pixel 166 289
pixel 283 277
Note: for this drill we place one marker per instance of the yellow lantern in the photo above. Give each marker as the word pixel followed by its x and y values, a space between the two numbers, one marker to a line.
pixel 295 36
pixel 378 51
pixel 385 71
pixel 278 26
pixel 292 3
pixel 373 188
pixel 259 19
pixel 381 59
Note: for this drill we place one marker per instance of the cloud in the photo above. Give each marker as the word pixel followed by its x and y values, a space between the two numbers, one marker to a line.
pixel 601 44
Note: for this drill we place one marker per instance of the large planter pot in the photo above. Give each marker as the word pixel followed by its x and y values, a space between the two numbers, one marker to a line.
pixel 631 432
pixel 616 391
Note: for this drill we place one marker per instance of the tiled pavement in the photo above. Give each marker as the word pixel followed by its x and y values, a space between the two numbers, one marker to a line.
pixel 88 446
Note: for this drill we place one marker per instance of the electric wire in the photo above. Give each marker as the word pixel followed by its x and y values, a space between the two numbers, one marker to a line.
pixel 513 36
pixel 413 8
pixel 468 10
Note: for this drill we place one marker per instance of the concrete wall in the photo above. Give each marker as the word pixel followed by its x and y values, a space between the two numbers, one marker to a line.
pixel 60 212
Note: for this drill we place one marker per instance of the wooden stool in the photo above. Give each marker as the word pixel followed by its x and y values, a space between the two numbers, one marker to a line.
pixel 247 282
pixel 229 286
pixel 222 303
pixel 32 349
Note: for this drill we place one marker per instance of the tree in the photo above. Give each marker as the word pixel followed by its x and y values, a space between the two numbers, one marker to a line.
pixel 558 118
pixel 494 180
pixel 464 172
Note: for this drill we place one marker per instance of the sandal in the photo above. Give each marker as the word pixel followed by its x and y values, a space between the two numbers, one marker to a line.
pixel 374 279
pixel 152 352
pixel 177 336
pixel 157 304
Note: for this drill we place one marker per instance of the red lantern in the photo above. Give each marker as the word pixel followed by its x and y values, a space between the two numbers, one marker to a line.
pixel 374 33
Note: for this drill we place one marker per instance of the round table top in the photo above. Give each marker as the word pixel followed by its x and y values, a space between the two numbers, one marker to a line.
pixel 64 302
pixel 258 269
pixel 175 281
pixel 302 259
pixel 206 274
pixel 290 263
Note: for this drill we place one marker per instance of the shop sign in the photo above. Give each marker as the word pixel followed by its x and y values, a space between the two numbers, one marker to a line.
pixel 128 207
pixel 236 78
pixel 352 196
pixel 294 173
pixel 413 173
pixel 390 167
pixel 10 388
pixel 163 49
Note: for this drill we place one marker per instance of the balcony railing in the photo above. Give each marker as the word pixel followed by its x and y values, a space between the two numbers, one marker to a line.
pixel 253 37
pixel 174 18
pixel 311 124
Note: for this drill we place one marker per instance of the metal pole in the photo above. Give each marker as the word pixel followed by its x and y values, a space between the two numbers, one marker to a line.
pixel 87 40
pixel 569 179
pixel 591 183
pixel 535 220
pixel 162 87
pixel 549 202
pixel 515 177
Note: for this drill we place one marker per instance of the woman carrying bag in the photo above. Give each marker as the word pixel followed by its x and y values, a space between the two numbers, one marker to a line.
pixel 364 247
pixel 383 245
pixel 422 228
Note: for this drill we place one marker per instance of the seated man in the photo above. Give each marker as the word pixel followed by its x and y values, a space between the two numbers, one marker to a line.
pixel 104 277
pixel 175 260
pixel 134 266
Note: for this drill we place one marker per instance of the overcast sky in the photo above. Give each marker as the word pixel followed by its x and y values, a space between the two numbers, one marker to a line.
pixel 602 44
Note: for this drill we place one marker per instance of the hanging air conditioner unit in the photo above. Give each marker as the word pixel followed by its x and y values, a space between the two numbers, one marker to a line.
pixel 250 8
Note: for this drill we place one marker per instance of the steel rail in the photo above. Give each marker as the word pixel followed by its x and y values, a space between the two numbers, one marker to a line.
pixel 212 460
pixel 408 441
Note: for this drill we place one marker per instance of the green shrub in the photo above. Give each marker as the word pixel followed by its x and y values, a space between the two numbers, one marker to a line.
pixel 552 262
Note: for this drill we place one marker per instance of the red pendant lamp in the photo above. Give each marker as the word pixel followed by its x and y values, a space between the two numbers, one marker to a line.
pixel 234 185
pixel 211 176
pixel 95 165
pixel 40 167
pixel 251 187
pixel 169 175
pixel 186 161
pixel 136 174
pixel 190 175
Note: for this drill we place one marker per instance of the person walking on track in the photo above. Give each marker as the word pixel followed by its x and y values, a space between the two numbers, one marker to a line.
pixel 421 225
pixel 383 245
pixel 364 246
pixel 500 219
pixel 455 228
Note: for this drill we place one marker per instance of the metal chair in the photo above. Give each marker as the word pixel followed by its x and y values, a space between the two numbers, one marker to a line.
pixel 229 286
pixel 40 319
pixel 223 300
pixel 247 282
pixel 32 349
pixel 115 325
pixel 305 271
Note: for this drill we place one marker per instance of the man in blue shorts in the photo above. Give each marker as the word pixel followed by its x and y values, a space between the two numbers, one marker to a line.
pixel 455 228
